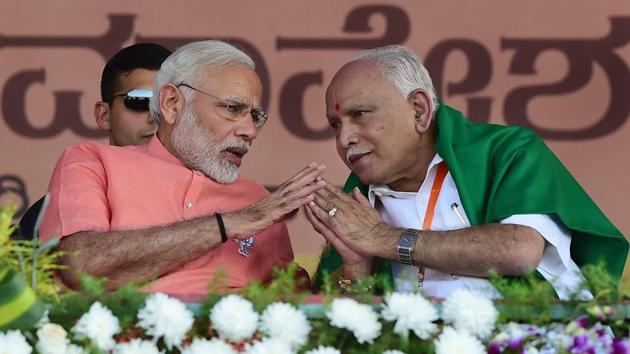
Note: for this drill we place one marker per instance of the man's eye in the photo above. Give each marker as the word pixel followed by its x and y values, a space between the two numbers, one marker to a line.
pixel 334 125
pixel 358 113
pixel 232 108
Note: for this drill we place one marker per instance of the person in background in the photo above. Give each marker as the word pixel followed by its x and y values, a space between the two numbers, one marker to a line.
pixel 126 87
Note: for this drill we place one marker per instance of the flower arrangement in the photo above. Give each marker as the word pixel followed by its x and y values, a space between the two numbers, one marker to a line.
pixel 274 318
pixel 464 322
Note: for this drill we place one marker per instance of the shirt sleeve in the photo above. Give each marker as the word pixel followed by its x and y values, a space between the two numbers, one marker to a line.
pixel 78 194
pixel 556 265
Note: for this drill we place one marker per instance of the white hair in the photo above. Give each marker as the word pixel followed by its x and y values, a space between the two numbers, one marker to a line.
pixel 187 64
pixel 402 68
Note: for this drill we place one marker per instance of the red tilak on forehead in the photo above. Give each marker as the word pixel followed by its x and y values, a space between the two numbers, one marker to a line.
pixel 337 107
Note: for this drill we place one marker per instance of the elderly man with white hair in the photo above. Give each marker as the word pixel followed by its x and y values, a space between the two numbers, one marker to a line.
pixel 176 211
pixel 437 201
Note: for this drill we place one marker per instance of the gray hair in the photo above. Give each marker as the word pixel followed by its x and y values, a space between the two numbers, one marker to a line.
pixel 187 64
pixel 402 68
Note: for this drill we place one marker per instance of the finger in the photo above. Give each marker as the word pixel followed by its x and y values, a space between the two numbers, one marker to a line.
pixel 292 200
pixel 305 190
pixel 359 197
pixel 323 214
pixel 289 206
pixel 310 167
pixel 303 178
pixel 325 203
pixel 332 192
pixel 326 232
pixel 318 225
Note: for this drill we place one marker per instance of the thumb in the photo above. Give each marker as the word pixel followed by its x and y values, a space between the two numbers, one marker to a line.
pixel 356 195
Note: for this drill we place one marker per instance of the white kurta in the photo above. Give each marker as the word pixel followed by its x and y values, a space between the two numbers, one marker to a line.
pixel 407 210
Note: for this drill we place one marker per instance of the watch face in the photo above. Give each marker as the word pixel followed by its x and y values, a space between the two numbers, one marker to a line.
pixel 405 246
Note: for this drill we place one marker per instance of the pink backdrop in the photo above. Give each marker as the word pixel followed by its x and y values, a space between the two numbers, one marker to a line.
pixel 560 67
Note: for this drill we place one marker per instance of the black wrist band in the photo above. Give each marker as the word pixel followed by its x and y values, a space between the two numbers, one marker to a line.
pixel 219 218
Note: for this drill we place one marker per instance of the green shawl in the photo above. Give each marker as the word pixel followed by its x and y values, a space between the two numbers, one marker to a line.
pixel 501 171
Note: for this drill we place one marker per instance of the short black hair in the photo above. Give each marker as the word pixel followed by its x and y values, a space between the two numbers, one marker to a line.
pixel 148 56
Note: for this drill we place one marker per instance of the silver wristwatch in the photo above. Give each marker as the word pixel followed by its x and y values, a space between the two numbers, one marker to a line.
pixel 405 246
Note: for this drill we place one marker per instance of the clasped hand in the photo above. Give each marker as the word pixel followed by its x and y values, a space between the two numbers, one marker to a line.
pixel 288 198
pixel 355 228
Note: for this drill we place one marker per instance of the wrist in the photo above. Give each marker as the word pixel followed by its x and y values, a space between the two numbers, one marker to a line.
pixel 232 223
pixel 406 246
pixel 388 243
pixel 221 225
pixel 357 270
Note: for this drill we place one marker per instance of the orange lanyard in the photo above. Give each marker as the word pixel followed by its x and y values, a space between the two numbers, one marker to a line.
pixel 440 176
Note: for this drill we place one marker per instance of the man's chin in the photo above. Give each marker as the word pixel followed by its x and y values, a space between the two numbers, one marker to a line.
pixel 366 178
pixel 224 177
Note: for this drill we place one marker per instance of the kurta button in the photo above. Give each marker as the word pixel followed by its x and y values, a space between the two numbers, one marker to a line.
pixel 189 205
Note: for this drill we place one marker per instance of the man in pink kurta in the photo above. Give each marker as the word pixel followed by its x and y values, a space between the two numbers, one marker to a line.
pixel 175 211
pixel 86 194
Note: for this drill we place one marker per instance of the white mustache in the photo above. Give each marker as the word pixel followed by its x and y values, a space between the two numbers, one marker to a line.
pixel 239 144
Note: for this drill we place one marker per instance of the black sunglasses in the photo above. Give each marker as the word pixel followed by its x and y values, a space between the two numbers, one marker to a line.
pixel 137 99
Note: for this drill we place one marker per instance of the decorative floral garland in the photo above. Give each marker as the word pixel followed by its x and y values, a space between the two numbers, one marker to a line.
pixel 465 323
pixel 276 323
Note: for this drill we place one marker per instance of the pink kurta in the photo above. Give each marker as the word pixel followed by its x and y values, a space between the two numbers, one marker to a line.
pixel 97 187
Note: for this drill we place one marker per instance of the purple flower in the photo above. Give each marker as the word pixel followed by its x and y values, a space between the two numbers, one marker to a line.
pixel 495 348
pixel 582 321
pixel 580 341
pixel 581 345
pixel 515 343
pixel 619 346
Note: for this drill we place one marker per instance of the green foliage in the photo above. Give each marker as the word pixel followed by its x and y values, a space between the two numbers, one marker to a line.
pixel 604 286
pixel 124 303
pixel 284 287
pixel 528 298
pixel 37 263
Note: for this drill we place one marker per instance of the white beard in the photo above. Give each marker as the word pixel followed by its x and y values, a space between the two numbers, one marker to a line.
pixel 202 151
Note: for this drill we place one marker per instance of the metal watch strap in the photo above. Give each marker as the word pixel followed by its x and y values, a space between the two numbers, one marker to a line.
pixel 405 246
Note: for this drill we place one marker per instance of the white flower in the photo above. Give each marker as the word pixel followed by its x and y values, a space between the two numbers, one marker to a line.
pixel 285 322
pixel 214 346
pixel 411 311
pixel 163 316
pixel 74 349
pixel 137 346
pixel 269 346
pixel 356 317
pixel 323 350
pixel 453 342
pixel 51 339
pixel 393 352
pixel 13 342
pixel 234 318
pixel 99 325
pixel 469 312
pixel 43 320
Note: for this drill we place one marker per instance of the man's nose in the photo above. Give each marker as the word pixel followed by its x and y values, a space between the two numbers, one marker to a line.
pixel 246 129
pixel 347 136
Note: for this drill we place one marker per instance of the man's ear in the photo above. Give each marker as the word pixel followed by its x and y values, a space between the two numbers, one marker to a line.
pixel 171 103
pixel 101 115
pixel 423 109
